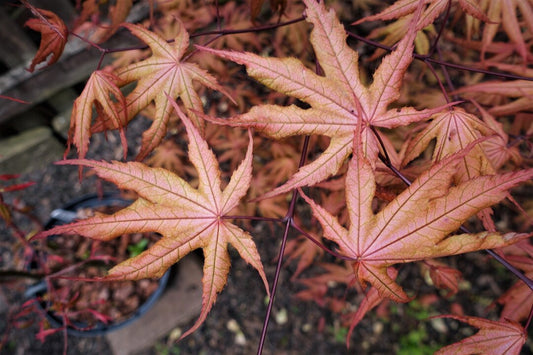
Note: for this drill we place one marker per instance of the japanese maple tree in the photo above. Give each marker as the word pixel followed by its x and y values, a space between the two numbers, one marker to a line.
pixel 393 179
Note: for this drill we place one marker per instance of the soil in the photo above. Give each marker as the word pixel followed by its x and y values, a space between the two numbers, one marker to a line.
pixel 296 327
pixel 95 305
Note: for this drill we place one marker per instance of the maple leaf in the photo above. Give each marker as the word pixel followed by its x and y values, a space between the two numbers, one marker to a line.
pixel 398 235
pixel 494 337
pixel 54 35
pixel 338 100
pixel 236 18
pixel 163 73
pixel 518 300
pixel 117 15
pixel 230 141
pixel 292 40
pixel 454 129
pixel 14 187
pixel 100 90
pixel 317 286
pixel 187 218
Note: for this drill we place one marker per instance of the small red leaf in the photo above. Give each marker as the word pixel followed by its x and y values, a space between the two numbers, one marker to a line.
pixel 54 35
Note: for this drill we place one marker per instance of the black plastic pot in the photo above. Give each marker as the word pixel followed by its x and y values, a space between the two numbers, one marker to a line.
pixel 66 215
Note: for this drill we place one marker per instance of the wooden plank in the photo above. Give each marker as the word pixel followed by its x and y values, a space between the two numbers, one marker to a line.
pixel 16 48
pixel 75 65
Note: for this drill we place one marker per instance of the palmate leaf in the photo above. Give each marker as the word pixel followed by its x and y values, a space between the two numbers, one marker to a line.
pixel 414 226
pixel 163 73
pixel 187 218
pixel 338 100
pixel 454 129
pixel 99 90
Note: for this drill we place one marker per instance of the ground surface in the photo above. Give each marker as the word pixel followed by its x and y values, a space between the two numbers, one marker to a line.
pixel 296 327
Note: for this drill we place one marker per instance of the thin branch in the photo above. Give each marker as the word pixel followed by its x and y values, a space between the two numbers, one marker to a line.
pixel 248 30
pixel 444 92
pixel 440 62
pixel 288 222
pixel 441 30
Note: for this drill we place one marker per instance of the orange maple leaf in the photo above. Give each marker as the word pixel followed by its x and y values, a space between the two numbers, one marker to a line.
pixel 54 36
pixel 338 100
pixel 187 218
pixel 163 73
pixel 414 226
pixel 454 129
pixel 100 90
pixel 494 337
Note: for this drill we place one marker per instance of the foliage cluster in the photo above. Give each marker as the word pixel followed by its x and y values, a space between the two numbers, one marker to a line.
pixel 394 135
